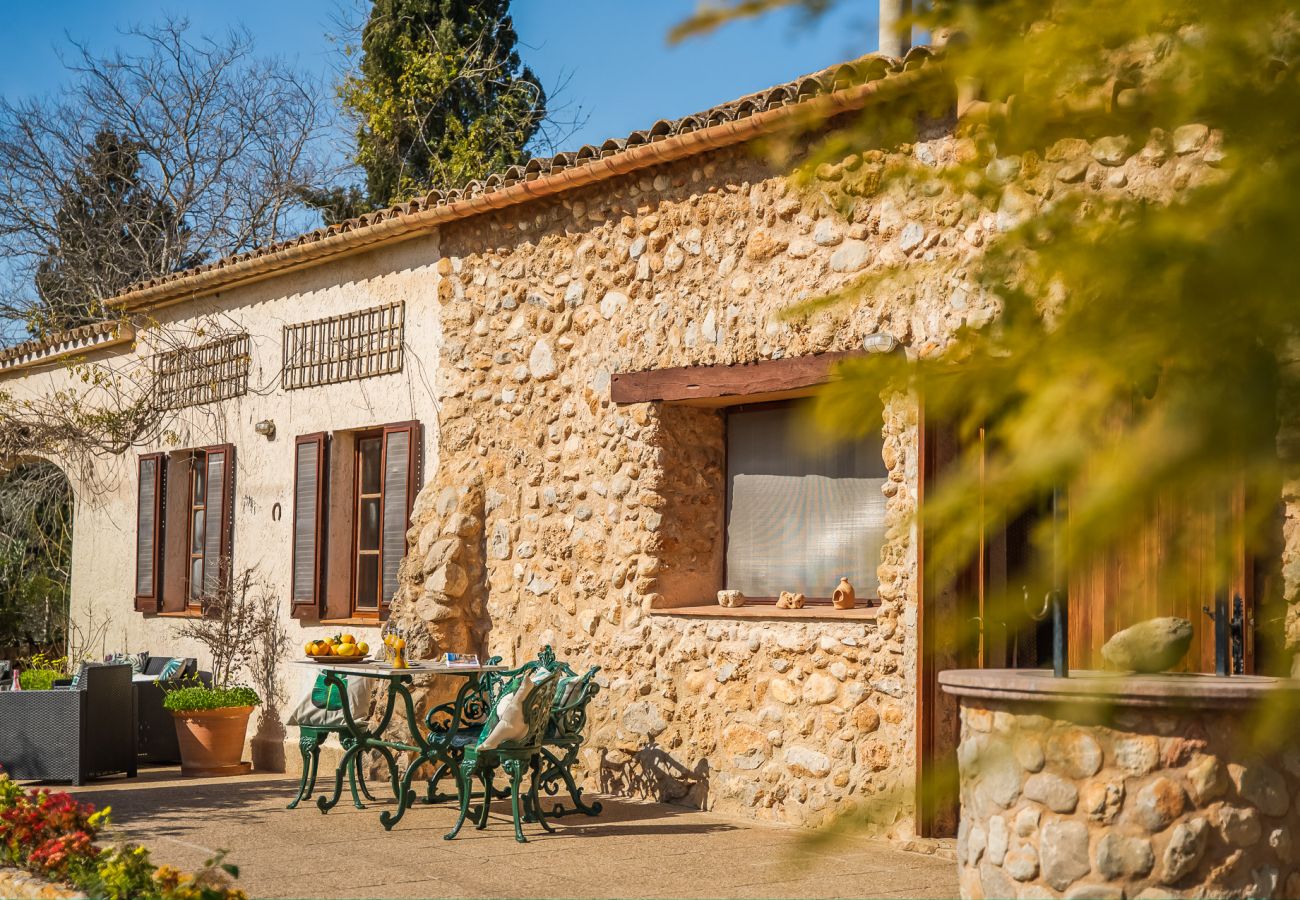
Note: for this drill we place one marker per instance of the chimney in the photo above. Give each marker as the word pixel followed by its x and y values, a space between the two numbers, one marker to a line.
pixel 895 37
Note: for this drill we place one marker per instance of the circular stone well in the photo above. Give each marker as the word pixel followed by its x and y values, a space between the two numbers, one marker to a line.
pixel 1127 786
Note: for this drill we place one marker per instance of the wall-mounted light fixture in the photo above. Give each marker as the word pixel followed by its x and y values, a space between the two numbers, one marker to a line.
pixel 880 342
pixel 266 428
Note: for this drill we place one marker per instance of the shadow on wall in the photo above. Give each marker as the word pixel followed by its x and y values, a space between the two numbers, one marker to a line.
pixel 651 773
pixel 268 742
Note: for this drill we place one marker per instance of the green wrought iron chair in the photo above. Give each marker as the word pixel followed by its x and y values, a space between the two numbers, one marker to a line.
pixel 327 699
pixel 474 712
pixel 515 756
pixel 560 746
pixel 565 734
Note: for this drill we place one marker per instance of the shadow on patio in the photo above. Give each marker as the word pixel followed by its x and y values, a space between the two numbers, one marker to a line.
pixel 642 849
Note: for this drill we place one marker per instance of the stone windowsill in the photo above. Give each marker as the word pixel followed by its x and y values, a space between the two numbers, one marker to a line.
pixel 765 611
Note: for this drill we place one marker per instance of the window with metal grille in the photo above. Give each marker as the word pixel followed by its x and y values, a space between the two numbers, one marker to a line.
pixel 217 370
pixel 344 348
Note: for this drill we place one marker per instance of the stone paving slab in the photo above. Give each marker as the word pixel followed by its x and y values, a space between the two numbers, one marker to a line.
pixel 634 849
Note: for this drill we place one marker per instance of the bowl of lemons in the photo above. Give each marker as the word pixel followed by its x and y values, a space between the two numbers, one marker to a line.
pixel 339 648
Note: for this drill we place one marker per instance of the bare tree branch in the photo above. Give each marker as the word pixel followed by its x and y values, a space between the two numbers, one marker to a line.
pixel 226 140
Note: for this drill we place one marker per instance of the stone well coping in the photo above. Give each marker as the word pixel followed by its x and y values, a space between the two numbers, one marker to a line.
pixel 1170 689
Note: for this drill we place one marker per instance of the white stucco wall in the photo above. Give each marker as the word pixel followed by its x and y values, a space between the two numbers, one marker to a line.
pixel 103 554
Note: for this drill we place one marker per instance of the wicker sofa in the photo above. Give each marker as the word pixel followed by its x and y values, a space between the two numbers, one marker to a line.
pixel 158 743
pixel 71 734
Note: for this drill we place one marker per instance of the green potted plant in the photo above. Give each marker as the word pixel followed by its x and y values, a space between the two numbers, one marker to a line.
pixel 40 672
pixel 211 724
pixel 212 719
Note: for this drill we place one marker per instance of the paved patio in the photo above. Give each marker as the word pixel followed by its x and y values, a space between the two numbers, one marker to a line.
pixel 633 849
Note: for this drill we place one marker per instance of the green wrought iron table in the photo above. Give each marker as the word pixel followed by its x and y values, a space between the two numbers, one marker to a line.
pixel 428 746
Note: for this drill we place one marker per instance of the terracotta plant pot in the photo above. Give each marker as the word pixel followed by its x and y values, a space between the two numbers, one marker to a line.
pixel 212 740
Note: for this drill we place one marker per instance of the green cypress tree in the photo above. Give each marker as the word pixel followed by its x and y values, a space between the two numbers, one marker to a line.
pixel 109 232
pixel 441 97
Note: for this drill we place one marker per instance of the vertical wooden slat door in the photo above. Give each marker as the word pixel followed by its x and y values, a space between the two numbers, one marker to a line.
pixel 1166 569
pixel 950 619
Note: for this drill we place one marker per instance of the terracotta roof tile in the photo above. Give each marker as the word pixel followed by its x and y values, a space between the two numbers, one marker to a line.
pixel 80 337
pixel 867 68
pixel 838 77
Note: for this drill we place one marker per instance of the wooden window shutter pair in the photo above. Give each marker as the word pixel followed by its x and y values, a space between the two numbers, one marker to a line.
pixel 320 588
pixel 162 553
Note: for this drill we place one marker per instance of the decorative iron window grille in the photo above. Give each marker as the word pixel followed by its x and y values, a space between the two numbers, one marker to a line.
pixel 214 371
pixel 344 348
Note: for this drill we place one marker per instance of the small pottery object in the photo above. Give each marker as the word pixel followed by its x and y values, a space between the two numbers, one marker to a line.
pixel 844 596
pixel 788 600
pixel 731 599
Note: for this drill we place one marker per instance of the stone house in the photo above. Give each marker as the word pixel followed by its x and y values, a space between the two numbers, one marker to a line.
pixel 562 407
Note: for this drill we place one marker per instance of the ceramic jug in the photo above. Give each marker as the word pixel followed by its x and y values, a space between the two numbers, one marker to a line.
pixel 844 596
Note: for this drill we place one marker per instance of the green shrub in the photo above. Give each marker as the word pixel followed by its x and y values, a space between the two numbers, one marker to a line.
pixel 196 696
pixel 39 679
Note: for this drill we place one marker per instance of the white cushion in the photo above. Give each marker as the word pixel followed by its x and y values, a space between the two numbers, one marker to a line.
pixel 510 725
pixel 306 712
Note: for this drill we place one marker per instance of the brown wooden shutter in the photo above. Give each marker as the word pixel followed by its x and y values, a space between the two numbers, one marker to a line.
pixel 401 460
pixel 148 534
pixel 220 518
pixel 176 560
pixel 340 462
pixel 311 471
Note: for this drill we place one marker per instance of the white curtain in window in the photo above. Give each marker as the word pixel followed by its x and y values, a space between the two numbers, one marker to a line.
pixel 801 533
pixel 803 510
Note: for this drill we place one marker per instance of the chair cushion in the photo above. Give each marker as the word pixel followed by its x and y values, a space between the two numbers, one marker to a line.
pixel 172 669
pixel 567 690
pixel 466 737
pixel 154 664
pixel 506 722
pixel 319 707
pixel 136 660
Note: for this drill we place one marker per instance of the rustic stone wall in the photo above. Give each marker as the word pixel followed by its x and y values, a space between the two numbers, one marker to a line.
pixel 441 600
pixel 1152 803
pixel 597 518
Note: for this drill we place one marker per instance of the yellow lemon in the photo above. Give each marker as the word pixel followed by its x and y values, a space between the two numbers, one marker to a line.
pixel 310 649
pixel 347 649
pixel 348 639
pixel 363 648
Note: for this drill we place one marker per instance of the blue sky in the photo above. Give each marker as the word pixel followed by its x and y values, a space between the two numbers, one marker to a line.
pixel 620 69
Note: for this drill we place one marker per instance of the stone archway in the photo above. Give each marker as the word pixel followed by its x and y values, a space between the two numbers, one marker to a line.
pixel 36 514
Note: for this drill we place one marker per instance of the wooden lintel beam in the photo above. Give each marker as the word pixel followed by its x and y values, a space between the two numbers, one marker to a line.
pixel 715 383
